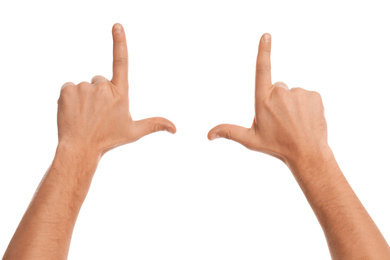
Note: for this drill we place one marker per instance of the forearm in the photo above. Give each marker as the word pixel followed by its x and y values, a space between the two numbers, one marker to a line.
pixel 349 229
pixel 95 118
pixel 46 228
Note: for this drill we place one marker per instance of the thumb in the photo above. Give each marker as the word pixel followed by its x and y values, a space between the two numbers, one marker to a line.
pixel 150 125
pixel 236 133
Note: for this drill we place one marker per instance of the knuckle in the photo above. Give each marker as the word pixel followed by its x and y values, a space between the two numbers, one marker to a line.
pixel 280 91
pixel 84 84
pixel 119 40
pixel 228 134
pixel 263 67
pixel 98 78
pixel 297 89
pixel 156 127
pixel 102 84
pixel 120 60
pixel 281 84
pixel 67 88
pixel 315 94
pixel 157 124
pixel 66 85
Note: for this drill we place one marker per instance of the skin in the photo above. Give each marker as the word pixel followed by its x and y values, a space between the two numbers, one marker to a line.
pixel 290 125
pixel 93 118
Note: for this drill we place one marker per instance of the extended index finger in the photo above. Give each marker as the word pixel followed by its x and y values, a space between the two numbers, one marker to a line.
pixel 263 67
pixel 120 57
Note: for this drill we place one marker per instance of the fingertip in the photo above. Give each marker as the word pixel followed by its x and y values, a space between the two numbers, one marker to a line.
pixel 167 125
pixel 117 28
pixel 213 134
pixel 266 37
pixel 171 128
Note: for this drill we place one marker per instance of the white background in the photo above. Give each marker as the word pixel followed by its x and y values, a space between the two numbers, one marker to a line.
pixel 193 62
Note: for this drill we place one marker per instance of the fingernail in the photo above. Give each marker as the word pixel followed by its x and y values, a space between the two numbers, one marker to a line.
pixel 117 28
pixel 171 130
pixel 267 37
pixel 214 136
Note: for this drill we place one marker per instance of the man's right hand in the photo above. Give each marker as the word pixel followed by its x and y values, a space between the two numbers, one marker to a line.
pixel 288 124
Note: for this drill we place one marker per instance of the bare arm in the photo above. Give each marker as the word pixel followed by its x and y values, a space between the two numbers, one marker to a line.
pixel 93 118
pixel 46 228
pixel 290 125
pixel 349 229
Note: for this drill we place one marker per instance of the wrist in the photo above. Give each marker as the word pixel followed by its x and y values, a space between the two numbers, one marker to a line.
pixel 317 158
pixel 76 150
pixel 76 164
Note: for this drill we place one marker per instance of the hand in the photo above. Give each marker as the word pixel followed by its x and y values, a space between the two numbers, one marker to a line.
pixel 96 115
pixel 288 124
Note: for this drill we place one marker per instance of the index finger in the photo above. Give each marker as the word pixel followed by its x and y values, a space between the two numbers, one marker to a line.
pixel 263 67
pixel 120 65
